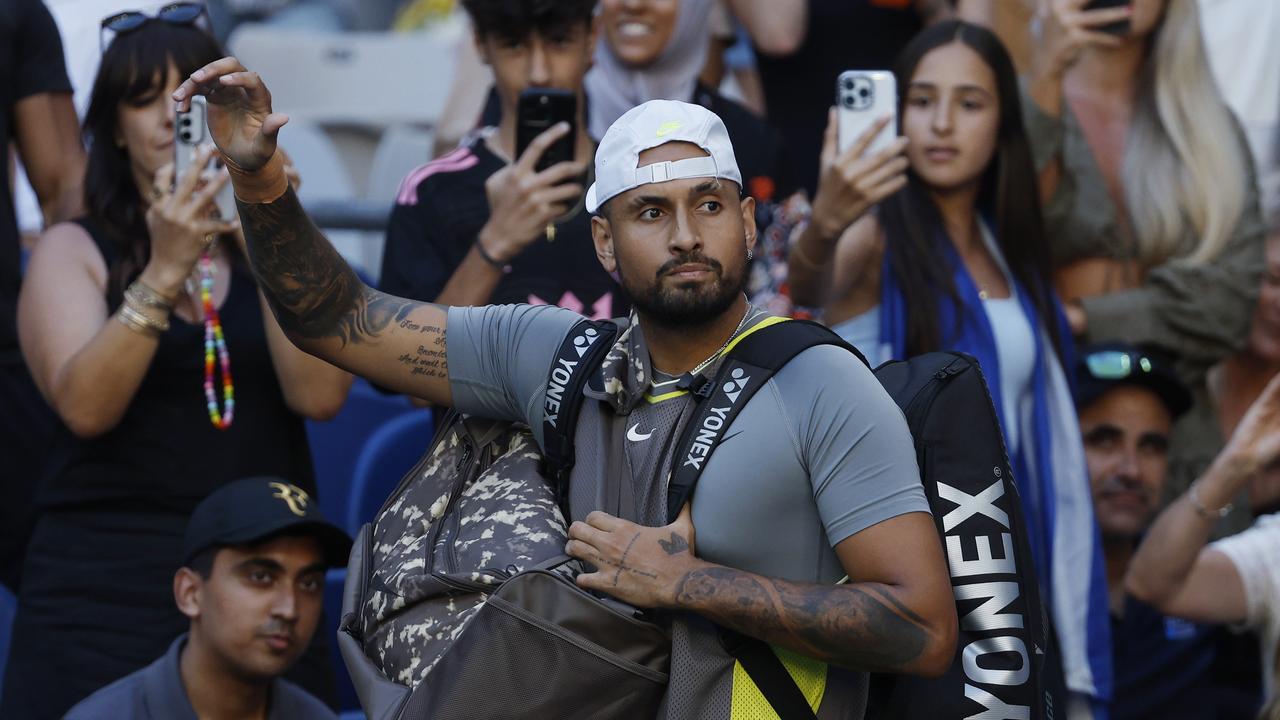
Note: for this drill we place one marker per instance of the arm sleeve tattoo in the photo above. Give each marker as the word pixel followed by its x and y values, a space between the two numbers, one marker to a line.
pixel 314 293
pixel 861 626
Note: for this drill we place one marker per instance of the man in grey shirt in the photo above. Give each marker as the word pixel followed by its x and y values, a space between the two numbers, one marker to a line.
pixel 816 480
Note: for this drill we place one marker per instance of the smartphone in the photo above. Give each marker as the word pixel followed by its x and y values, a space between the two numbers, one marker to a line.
pixel 862 98
pixel 539 110
pixel 190 131
pixel 1119 27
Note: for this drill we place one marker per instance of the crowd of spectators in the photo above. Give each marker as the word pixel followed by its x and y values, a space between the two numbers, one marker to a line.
pixel 1081 198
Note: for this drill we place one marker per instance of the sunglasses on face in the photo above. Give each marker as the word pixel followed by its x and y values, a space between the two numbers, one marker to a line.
pixel 1116 364
pixel 123 23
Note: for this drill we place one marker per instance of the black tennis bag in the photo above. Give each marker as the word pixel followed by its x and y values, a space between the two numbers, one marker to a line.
pixel 1004 665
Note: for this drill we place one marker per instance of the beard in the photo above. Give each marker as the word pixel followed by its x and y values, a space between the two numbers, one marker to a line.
pixel 687 304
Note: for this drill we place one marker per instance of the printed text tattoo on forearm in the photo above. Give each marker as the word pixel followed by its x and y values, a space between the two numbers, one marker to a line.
pixel 427 361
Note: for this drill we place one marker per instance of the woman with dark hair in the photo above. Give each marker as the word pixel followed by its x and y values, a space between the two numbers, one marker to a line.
pixel 956 259
pixel 131 320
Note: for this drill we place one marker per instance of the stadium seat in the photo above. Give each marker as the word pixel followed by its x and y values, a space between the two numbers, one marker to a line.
pixel 337 443
pixel 389 453
pixel 8 607
pixel 366 79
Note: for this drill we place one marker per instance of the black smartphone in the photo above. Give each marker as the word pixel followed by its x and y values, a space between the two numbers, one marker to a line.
pixel 1119 27
pixel 539 110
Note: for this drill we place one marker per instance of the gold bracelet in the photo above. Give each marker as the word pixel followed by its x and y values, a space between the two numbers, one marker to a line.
pixel 147 296
pixel 1193 495
pixel 138 320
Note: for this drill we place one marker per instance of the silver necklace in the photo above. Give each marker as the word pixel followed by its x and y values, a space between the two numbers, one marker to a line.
pixel 703 365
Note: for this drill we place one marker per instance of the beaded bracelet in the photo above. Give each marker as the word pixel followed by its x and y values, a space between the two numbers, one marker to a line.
pixel 1193 495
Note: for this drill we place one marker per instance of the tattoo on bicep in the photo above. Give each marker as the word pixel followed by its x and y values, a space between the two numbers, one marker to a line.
pixel 859 627
pixel 676 545
pixel 312 290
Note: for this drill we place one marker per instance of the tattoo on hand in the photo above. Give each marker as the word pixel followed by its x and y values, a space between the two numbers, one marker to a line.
pixel 676 545
pixel 622 563
pixel 857 626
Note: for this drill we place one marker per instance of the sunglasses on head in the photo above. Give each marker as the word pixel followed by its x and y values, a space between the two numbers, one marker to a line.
pixel 1116 364
pixel 122 23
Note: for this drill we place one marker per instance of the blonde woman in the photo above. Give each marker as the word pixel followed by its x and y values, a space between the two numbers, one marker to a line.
pixel 1151 204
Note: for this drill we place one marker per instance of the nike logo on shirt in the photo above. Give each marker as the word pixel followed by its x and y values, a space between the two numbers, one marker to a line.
pixel 633 434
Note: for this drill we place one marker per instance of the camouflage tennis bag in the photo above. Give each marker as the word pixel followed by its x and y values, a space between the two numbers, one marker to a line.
pixel 473 539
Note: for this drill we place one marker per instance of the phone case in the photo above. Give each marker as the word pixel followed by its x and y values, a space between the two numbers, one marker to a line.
pixel 190 131
pixel 862 97
pixel 539 110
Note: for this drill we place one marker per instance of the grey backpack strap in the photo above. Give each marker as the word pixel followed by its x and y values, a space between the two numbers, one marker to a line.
pixel 746 368
pixel 580 355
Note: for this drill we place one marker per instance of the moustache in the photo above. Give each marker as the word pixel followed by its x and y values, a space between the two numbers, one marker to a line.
pixel 690 259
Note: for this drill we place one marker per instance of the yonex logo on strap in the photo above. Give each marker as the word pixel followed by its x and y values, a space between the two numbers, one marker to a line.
pixel 562 373
pixel 716 420
pixel 583 342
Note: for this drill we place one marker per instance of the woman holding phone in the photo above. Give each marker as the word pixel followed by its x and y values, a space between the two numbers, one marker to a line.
pixel 955 258
pixel 1150 198
pixel 145 332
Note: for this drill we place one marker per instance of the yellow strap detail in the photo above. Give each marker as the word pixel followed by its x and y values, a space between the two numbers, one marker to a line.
pixel 767 322
pixel 748 703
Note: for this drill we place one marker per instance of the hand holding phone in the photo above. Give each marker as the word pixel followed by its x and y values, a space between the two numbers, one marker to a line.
pixel 524 201
pixel 854 179
pixel 1069 26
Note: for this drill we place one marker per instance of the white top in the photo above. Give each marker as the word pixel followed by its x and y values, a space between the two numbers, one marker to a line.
pixel 1256 555
pixel 863 332
pixel 1016 350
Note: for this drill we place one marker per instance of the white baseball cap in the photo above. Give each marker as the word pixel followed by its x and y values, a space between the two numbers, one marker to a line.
pixel 647 126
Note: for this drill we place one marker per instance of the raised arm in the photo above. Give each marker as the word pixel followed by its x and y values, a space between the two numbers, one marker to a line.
pixel 849 186
pixel 319 301
pixel 1173 569
pixel 777 27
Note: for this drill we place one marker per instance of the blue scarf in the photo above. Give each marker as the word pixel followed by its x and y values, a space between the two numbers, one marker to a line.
pixel 1049 466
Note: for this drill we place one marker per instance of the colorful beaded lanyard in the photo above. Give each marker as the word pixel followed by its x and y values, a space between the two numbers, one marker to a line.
pixel 213 339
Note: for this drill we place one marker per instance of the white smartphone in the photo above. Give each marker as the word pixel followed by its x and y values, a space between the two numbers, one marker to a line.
pixel 190 131
pixel 862 97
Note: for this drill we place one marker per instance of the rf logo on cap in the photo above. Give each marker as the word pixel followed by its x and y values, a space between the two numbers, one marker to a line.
pixel 293 496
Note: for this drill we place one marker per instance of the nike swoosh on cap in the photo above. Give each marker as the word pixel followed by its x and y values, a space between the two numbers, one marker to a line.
pixel 633 433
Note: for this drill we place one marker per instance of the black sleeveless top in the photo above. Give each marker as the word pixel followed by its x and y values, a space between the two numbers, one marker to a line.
pixel 165 455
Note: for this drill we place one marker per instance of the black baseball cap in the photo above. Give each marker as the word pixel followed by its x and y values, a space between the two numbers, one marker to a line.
pixel 1106 366
pixel 255 509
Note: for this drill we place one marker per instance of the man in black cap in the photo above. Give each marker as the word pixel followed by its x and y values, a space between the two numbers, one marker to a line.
pixel 1128 398
pixel 252 583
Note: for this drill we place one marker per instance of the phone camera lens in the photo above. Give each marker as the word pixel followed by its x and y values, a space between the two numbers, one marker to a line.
pixel 186 137
pixel 863 92
pixel 848 84
pixel 186 122
pixel 849 101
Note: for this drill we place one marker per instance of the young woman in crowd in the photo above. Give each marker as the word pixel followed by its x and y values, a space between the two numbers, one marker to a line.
pixel 956 258
pixel 1152 210
pixel 145 332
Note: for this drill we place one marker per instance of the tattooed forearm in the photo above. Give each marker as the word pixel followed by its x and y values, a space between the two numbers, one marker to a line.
pixel 430 361
pixel 312 290
pixel 861 626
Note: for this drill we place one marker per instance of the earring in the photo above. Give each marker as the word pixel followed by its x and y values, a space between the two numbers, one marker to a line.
pixel 750 255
